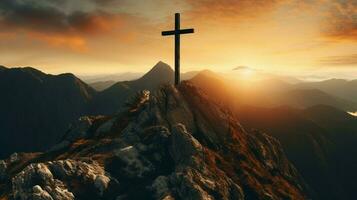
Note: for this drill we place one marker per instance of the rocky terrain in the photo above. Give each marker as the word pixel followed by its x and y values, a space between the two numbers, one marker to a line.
pixel 170 144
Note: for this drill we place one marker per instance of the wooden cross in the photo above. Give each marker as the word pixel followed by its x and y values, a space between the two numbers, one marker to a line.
pixel 177 32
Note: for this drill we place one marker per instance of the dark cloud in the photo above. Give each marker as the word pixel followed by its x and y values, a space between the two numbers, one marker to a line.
pixel 49 16
pixel 341 23
pixel 346 60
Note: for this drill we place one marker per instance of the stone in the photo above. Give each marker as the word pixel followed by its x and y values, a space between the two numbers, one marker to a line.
pixel 79 129
pixel 3 168
pixel 160 187
pixel 14 157
pixel 183 145
pixel 101 182
pixel 135 165
pixel 40 194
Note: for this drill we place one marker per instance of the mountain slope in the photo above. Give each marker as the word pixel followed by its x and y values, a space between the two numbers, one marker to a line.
pixel 304 98
pixel 176 144
pixel 36 108
pixel 338 87
pixel 306 144
pixel 318 140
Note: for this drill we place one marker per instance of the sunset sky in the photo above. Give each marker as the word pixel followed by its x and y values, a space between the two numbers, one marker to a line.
pixel 296 37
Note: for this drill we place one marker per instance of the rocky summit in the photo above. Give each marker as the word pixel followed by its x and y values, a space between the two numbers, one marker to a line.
pixel 175 143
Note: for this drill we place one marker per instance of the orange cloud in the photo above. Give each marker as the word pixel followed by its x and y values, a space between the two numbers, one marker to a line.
pixel 7 36
pixel 341 21
pixel 345 60
pixel 75 43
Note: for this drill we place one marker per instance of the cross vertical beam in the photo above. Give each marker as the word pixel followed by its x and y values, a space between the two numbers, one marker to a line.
pixel 177 32
pixel 177 49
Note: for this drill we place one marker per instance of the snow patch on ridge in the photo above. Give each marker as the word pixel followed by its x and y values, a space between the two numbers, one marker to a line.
pixel 353 113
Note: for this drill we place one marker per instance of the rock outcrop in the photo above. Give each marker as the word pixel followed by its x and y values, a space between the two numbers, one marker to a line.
pixel 174 144
pixel 53 180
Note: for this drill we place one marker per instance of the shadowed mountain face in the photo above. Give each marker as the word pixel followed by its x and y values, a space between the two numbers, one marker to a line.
pixel 319 140
pixel 36 108
pixel 175 144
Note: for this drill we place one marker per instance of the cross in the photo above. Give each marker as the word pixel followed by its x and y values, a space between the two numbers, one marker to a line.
pixel 177 32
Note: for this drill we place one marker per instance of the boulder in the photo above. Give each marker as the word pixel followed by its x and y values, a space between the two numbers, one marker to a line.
pixel 183 145
pixel 53 180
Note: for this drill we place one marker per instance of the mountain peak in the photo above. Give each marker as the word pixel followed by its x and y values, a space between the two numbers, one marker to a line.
pixel 2 68
pixel 161 66
pixel 160 71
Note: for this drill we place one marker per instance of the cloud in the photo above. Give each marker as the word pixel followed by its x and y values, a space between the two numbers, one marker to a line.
pixel 46 16
pixel 231 9
pixel 341 20
pixel 60 23
pixel 75 43
pixel 241 68
pixel 346 60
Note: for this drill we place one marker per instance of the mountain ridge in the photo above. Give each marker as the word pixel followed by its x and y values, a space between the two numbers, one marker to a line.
pixel 175 144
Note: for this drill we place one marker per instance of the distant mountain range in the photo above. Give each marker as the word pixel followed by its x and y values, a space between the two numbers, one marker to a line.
pixel 274 92
pixel 126 76
pixel 337 87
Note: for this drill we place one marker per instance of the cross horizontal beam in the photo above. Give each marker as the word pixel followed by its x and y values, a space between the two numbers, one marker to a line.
pixel 176 32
